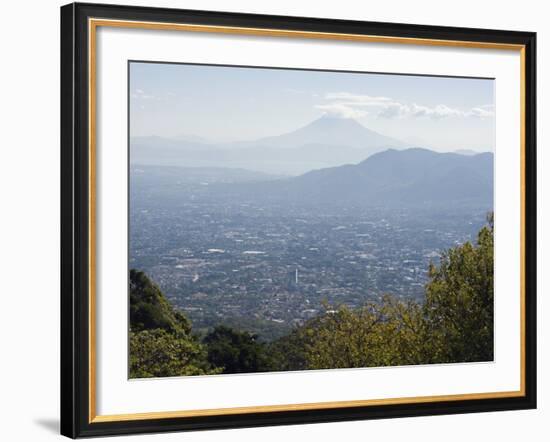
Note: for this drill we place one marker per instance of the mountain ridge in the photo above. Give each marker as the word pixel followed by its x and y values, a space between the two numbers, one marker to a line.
pixel 414 176
pixel 324 142
pixel 333 131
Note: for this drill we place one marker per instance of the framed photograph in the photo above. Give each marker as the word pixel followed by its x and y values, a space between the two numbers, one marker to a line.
pixel 273 220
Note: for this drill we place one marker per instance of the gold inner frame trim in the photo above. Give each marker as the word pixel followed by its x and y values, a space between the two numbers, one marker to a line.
pixel 298 407
pixel 93 24
pixel 298 34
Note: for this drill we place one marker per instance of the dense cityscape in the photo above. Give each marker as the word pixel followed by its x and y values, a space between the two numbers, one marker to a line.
pixel 266 268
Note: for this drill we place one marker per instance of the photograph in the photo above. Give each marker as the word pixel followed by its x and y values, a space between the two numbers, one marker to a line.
pixel 283 218
pixel 286 219
pixel 279 221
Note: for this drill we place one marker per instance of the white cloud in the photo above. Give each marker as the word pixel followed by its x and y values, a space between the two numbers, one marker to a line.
pixel 347 105
pixel 484 111
pixel 341 110
pixel 141 95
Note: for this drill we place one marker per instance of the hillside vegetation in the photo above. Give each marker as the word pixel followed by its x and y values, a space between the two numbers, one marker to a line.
pixel 453 324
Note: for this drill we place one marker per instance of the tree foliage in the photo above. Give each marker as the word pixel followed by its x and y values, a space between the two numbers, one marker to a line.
pixel 459 302
pixel 378 334
pixel 158 353
pixel 161 343
pixel 236 351
pixel 149 308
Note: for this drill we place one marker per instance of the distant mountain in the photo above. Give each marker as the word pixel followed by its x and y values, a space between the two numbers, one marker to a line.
pixel 408 177
pixel 189 138
pixel 325 142
pixel 466 152
pixel 332 131
pixel 160 143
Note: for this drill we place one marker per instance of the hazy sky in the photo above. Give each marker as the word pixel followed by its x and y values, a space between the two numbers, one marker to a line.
pixel 230 104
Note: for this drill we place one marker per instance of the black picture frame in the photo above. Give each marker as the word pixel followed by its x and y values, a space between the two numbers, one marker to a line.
pixel 75 220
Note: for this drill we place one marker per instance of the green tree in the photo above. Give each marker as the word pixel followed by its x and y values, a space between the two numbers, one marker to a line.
pixel 459 302
pixel 382 333
pixel 161 343
pixel 158 353
pixel 149 308
pixel 288 352
pixel 236 351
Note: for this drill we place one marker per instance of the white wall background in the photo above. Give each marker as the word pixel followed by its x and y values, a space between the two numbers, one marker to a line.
pixel 29 221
